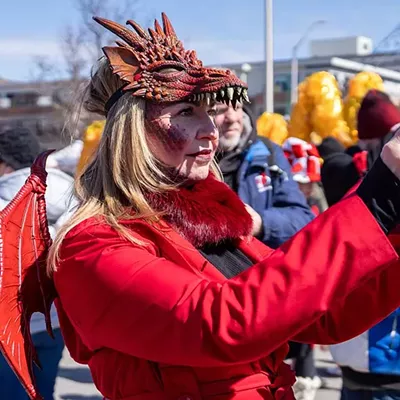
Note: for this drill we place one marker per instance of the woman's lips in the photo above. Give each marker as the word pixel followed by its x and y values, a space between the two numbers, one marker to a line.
pixel 201 153
pixel 202 157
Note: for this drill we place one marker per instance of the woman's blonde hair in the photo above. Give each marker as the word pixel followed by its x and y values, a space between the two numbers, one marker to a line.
pixel 114 184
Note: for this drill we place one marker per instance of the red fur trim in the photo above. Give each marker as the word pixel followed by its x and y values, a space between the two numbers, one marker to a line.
pixel 208 212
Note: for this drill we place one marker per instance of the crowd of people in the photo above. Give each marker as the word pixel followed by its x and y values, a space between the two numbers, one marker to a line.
pixel 194 258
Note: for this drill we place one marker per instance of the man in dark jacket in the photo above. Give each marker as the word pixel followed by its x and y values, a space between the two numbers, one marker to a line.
pixel 259 172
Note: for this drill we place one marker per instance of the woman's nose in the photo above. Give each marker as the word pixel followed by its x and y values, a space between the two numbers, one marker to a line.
pixel 208 131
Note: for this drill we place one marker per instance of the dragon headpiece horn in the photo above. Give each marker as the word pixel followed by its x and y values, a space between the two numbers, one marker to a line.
pixel 154 65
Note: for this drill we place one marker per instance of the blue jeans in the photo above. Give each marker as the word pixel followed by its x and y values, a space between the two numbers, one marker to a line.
pixel 50 353
pixel 348 394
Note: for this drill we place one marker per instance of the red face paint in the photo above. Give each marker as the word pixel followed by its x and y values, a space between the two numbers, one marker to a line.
pixel 173 136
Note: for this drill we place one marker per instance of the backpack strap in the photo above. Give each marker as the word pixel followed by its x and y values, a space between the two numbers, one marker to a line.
pixel 271 157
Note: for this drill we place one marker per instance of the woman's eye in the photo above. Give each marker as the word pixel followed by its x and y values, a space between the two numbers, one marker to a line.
pixel 186 111
pixel 212 112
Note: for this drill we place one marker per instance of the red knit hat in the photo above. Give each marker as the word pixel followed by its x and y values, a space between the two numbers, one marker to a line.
pixel 377 115
pixel 304 160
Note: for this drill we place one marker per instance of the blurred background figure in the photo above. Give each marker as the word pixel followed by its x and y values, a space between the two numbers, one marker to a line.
pixel 329 146
pixel 18 150
pixel 91 140
pixel 307 380
pixel 257 169
pixel 67 158
pixel 72 159
pixel 377 120
pixel 305 161
pixel 305 164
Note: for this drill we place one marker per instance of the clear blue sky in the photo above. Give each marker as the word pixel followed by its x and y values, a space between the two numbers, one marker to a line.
pixel 220 31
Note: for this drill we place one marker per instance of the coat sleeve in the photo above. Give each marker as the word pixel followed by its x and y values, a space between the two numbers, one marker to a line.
pixel 130 299
pixel 289 212
pixel 357 312
pixel 359 304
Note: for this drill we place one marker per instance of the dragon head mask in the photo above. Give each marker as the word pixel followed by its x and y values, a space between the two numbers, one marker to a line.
pixel 155 66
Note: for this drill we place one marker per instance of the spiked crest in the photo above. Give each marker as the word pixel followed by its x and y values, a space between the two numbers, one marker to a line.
pixel 156 66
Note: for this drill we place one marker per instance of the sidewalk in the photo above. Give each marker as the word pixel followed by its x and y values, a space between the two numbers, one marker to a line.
pixel 333 384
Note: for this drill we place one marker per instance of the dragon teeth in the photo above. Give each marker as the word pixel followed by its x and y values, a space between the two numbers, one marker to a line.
pixel 245 96
pixel 228 95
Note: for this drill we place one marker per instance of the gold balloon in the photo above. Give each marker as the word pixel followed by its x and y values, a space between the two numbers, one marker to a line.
pixel 315 138
pixel 319 110
pixel 299 125
pixel 272 126
pixel 359 86
pixel 91 140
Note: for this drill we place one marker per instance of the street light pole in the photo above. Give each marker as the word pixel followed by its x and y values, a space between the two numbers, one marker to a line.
pixel 246 68
pixel 295 62
pixel 294 77
pixel 269 58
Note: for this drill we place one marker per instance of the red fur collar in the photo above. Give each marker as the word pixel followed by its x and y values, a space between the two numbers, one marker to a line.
pixel 208 212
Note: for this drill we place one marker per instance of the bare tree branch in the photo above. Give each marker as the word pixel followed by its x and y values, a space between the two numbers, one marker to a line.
pixel 73 53
pixel 95 36
pixel 80 47
pixel 81 44
pixel 44 69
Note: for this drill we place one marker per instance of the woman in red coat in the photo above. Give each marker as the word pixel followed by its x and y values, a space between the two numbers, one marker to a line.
pixel 162 290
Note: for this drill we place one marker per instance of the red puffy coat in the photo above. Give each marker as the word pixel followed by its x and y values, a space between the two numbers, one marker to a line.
pixel 158 322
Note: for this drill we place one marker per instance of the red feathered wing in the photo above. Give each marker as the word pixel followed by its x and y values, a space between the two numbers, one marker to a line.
pixel 25 287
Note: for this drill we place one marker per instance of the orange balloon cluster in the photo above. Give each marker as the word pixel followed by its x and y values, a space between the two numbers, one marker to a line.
pixel 272 126
pixel 359 86
pixel 318 112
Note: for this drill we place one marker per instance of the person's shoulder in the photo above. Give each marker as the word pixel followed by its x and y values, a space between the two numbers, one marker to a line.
pixel 56 173
pixel 258 148
pixel 97 232
pixel 340 168
pixel 272 147
pixel 93 248
pixel 337 161
pixel 89 226
pixel 59 183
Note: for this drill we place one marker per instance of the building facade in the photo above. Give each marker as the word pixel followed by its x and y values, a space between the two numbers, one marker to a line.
pixel 343 68
pixel 46 108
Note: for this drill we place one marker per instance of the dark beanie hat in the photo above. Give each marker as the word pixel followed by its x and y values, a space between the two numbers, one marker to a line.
pixel 18 147
pixel 330 146
pixel 376 116
pixel 338 175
